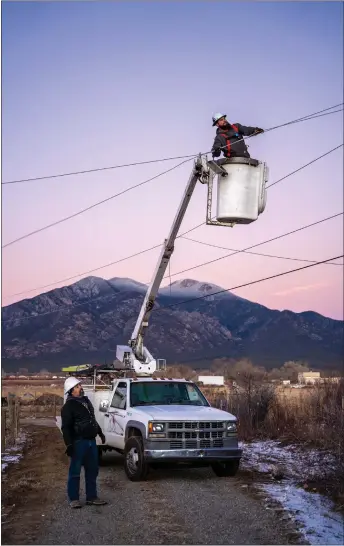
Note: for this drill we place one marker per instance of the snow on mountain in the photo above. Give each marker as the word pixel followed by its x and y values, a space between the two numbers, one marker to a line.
pixel 192 289
pixel 86 320
pixel 127 284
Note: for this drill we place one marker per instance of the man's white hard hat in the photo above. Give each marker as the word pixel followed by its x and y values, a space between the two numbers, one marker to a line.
pixel 70 383
pixel 218 116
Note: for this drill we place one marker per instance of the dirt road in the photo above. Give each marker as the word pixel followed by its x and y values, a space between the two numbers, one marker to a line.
pixel 172 507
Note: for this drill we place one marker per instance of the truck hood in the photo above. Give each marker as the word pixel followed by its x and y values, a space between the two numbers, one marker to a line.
pixel 184 413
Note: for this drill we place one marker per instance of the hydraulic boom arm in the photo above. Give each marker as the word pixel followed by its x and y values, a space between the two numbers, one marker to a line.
pixel 140 358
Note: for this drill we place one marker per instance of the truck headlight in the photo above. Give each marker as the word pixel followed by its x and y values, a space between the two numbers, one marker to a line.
pixel 156 430
pixel 231 427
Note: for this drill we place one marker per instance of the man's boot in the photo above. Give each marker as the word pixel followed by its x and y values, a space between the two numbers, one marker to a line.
pixel 96 502
pixel 75 504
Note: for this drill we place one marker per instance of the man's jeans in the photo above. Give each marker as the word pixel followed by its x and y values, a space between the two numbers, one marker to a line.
pixel 85 454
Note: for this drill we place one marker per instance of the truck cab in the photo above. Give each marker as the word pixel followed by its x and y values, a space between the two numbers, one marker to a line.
pixel 155 421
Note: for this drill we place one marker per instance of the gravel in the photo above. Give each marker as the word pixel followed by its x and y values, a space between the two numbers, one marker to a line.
pixel 188 506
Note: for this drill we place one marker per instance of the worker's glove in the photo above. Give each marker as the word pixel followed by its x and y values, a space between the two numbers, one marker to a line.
pixel 258 130
pixel 69 451
pixel 216 153
pixel 102 437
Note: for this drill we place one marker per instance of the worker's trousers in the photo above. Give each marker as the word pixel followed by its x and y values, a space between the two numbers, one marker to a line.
pixel 86 455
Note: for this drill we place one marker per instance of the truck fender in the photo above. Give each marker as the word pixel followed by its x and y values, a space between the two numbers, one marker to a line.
pixel 135 424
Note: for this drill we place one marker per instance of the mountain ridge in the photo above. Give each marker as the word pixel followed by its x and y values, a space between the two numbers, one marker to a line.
pixel 85 321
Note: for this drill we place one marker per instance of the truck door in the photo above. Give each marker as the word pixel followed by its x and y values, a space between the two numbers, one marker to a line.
pixel 115 418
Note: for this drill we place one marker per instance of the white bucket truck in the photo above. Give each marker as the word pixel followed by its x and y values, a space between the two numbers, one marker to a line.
pixel 158 420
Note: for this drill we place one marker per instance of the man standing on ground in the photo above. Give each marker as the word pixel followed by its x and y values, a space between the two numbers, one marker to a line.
pixel 80 429
pixel 229 138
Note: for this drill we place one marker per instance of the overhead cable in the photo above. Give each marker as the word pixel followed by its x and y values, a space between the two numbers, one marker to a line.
pixel 57 222
pixel 69 307
pixel 256 245
pixel 99 169
pixel 263 254
pixel 66 218
pixel 250 283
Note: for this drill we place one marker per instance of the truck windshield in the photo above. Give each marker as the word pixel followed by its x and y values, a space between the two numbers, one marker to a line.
pixel 165 393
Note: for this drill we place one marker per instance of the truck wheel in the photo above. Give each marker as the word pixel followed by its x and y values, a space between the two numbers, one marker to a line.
pixel 225 469
pixel 135 465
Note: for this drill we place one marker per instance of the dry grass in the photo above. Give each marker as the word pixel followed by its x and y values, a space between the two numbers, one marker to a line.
pixel 312 417
pixel 29 488
pixel 24 390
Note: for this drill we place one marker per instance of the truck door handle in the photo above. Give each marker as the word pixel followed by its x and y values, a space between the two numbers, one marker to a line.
pixel 106 415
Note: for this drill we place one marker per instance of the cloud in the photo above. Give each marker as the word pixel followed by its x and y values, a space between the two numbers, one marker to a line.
pixel 302 288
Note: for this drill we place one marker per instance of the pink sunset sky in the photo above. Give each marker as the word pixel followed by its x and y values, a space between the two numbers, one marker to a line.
pixel 87 85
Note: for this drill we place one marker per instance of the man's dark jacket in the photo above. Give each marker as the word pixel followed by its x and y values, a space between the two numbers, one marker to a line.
pixel 230 141
pixel 78 420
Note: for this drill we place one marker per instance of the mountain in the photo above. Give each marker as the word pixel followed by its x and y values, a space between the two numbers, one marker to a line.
pixel 85 321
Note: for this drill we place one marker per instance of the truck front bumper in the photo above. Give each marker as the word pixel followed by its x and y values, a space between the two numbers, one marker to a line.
pixel 206 456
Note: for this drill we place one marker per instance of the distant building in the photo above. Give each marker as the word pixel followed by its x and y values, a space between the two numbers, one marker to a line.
pixel 308 378
pixel 218 380
pixel 286 382
pixel 333 379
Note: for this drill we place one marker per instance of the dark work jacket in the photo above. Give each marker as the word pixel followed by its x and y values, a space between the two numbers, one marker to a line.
pixel 78 420
pixel 230 142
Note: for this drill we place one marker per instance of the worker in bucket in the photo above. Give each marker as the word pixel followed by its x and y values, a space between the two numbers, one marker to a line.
pixel 229 137
pixel 80 429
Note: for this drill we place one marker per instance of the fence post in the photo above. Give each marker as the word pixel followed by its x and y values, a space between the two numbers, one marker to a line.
pixel 54 407
pixel 11 417
pixel 3 428
pixel 16 418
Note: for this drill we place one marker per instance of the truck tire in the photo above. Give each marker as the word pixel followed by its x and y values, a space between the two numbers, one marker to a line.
pixel 135 465
pixel 225 469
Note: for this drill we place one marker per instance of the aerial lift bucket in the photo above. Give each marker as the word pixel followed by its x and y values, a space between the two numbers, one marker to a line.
pixel 241 190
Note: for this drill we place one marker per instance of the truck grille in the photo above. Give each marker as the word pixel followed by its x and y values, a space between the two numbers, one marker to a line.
pixel 195 435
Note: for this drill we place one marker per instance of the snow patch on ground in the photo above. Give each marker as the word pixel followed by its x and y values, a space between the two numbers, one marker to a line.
pixel 14 453
pixel 296 462
pixel 313 513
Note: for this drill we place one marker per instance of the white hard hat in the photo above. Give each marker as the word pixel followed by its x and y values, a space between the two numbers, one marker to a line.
pixel 70 383
pixel 218 116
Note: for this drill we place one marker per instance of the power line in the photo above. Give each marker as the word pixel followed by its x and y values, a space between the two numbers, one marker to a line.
pixel 306 118
pixel 251 283
pixel 299 120
pixel 99 169
pixel 257 253
pixel 304 166
pixel 85 272
pixel 274 183
pixel 257 244
pixel 194 267
pixel 66 218
pixel 202 264
pixel 151 248
pixel 43 228
pixel 69 307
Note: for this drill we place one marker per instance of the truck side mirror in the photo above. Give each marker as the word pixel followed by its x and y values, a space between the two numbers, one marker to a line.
pixel 104 406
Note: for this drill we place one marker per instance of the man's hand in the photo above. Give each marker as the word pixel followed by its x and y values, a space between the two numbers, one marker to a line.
pixel 216 153
pixel 259 130
pixel 69 451
pixel 102 437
